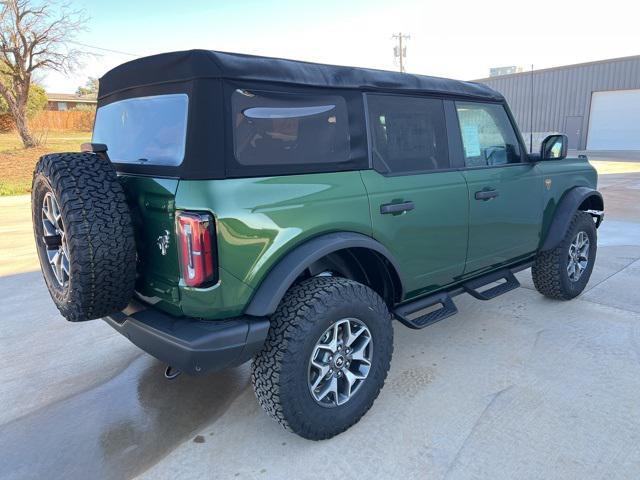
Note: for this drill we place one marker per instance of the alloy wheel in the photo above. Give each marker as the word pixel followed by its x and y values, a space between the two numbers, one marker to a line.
pixel 578 256
pixel 340 362
pixel 54 239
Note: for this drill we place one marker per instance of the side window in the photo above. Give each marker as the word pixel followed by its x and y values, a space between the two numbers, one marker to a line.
pixel 487 135
pixel 289 129
pixel 408 134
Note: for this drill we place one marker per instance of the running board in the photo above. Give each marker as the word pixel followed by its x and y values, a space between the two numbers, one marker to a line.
pixel 510 283
pixel 446 309
pixel 444 303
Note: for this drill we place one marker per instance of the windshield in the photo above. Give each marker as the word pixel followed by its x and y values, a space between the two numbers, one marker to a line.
pixel 144 130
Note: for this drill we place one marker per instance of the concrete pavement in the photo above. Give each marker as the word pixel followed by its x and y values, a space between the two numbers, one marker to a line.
pixel 519 387
pixel 17 247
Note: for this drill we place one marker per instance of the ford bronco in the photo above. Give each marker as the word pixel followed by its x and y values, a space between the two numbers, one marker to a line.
pixel 234 207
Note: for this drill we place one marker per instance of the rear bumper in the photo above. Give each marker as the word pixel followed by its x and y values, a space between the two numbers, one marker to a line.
pixel 191 345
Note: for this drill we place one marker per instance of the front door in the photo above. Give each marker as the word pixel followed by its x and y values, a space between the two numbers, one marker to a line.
pixel 573 129
pixel 418 204
pixel 505 190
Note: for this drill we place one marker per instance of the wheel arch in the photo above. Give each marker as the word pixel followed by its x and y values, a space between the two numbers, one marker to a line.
pixel 578 198
pixel 351 254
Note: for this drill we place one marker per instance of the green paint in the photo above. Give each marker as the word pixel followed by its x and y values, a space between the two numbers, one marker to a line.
pixel 430 241
pixel 447 237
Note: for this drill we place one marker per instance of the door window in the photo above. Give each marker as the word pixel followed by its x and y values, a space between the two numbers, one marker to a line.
pixel 289 129
pixel 487 135
pixel 408 134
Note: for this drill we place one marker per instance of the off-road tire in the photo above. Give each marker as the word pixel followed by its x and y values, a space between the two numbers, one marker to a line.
pixel 549 271
pixel 98 230
pixel 279 372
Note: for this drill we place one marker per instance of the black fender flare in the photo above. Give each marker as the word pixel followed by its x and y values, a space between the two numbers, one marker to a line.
pixel 276 283
pixel 566 209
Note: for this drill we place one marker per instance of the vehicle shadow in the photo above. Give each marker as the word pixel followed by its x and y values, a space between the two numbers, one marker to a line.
pixel 119 428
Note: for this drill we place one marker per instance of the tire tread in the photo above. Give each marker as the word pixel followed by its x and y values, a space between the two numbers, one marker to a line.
pixel 548 267
pixel 99 232
pixel 292 321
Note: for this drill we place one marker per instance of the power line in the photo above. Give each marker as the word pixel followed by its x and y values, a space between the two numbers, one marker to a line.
pixel 104 49
pixel 399 51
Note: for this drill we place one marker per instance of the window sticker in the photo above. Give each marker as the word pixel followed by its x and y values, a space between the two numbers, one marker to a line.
pixel 471 140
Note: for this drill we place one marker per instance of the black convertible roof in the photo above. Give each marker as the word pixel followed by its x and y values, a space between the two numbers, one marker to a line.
pixel 195 64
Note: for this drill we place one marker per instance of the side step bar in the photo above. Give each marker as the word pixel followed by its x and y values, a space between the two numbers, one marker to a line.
pixel 440 305
pixel 510 283
pixel 446 309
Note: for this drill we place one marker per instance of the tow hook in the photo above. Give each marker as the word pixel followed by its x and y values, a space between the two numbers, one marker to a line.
pixel 170 373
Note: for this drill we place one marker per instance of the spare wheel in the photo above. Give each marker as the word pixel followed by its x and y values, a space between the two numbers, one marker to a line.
pixel 84 234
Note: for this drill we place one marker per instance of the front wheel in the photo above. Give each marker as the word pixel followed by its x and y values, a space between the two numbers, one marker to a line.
pixel 563 272
pixel 325 358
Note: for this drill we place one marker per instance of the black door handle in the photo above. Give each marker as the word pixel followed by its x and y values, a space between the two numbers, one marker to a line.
pixel 486 194
pixel 396 207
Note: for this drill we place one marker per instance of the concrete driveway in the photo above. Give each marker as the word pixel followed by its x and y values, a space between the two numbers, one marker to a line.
pixel 517 388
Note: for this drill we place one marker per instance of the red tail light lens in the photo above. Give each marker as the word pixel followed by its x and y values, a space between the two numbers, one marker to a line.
pixel 197 253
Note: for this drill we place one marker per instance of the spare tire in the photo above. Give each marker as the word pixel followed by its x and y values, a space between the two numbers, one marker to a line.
pixel 84 235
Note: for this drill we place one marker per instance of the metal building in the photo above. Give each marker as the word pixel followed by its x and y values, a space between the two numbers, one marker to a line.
pixel 597 104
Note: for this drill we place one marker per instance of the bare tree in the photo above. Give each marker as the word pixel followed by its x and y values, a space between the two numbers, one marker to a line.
pixel 34 36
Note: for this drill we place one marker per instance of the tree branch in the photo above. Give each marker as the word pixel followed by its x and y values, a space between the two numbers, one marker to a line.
pixel 34 36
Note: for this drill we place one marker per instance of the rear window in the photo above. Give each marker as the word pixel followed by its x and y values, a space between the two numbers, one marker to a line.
pixel 289 129
pixel 144 130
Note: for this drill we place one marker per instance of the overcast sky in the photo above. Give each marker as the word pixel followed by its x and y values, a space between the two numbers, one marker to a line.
pixel 448 38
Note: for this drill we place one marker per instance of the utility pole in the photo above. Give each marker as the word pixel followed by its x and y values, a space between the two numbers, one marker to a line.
pixel 400 51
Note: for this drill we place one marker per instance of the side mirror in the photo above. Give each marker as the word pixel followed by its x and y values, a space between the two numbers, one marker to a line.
pixel 554 147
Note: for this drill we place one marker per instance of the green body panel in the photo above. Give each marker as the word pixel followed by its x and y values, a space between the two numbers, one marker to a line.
pixel 508 226
pixel 227 298
pixel 430 241
pixel 449 236
pixel 564 175
pixel 259 220
pixel 152 204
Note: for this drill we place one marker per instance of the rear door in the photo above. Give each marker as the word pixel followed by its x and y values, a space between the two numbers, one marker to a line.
pixel 152 204
pixel 505 190
pixel 418 202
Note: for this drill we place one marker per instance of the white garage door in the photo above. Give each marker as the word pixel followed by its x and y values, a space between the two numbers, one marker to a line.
pixel 614 121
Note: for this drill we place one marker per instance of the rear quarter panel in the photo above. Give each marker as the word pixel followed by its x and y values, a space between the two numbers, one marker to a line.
pixel 152 205
pixel 259 220
pixel 563 175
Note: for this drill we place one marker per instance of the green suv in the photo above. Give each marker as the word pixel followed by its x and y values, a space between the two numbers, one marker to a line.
pixel 234 207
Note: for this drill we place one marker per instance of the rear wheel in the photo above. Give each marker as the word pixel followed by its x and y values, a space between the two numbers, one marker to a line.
pixel 563 272
pixel 326 357
pixel 83 233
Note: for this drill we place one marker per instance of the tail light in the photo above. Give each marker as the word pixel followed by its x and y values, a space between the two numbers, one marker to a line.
pixel 196 236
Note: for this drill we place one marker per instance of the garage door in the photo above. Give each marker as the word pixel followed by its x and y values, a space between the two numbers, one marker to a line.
pixel 614 121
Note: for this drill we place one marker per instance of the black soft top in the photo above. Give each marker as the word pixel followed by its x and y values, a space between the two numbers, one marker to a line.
pixel 195 64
